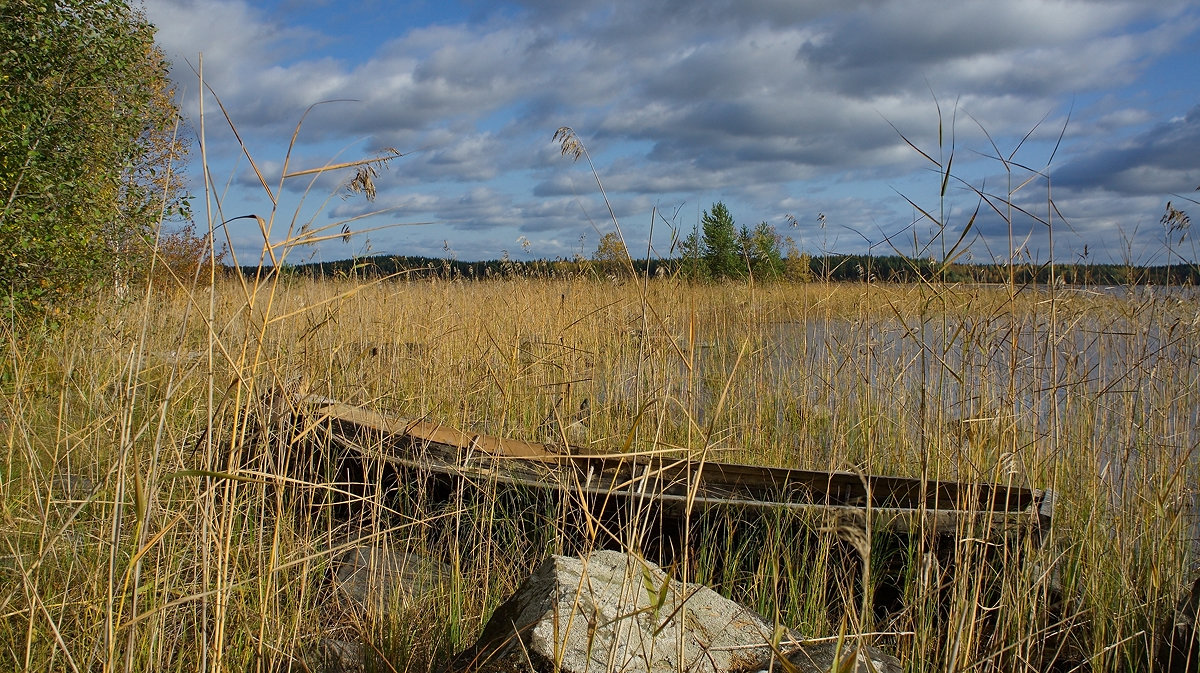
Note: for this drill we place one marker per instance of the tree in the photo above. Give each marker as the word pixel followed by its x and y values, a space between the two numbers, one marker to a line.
pixel 762 249
pixel 691 263
pixel 720 244
pixel 86 132
pixel 611 256
pixel 745 249
pixel 797 266
pixel 181 259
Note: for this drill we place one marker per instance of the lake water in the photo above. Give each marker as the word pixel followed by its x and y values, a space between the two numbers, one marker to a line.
pixel 1121 379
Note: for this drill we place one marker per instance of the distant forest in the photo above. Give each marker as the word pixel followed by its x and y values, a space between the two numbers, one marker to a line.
pixel 836 268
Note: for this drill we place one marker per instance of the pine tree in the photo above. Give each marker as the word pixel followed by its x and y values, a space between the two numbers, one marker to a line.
pixel 691 253
pixel 720 244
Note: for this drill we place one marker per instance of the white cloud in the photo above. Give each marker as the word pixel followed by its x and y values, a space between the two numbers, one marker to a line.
pixel 682 101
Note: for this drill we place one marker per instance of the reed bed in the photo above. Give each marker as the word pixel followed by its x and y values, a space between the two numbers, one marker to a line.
pixel 152 519
pixel 139 534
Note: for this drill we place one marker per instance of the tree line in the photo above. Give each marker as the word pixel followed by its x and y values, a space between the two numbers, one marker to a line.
pixel 91 146
pixel 718 250
pixel 831 268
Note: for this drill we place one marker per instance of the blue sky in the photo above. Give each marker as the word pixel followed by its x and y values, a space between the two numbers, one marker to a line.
pixel 776 107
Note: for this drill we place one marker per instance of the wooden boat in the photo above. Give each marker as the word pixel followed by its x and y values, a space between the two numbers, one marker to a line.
pixel 675 487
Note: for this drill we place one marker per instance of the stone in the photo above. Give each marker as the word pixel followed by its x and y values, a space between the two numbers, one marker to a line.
pixel 71 488
pixel 1179 647
pixel 614 612
pixel 825 656
pixel 371 576
pixel 331 655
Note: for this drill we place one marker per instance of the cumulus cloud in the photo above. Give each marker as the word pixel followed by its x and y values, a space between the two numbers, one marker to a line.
pixel 1161 160
pixel 763 103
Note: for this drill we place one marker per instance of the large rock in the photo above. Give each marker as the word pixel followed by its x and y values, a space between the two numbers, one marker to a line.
pixel 71 488
pixel 614 612
pixel 330 655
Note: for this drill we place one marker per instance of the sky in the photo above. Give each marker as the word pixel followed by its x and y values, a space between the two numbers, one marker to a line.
pixel 831 120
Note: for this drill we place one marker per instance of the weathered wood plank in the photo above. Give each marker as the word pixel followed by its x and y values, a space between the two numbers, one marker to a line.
pixel 680 486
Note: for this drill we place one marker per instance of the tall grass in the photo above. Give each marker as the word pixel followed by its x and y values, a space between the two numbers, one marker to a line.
pixel 152 521
pixel 118 549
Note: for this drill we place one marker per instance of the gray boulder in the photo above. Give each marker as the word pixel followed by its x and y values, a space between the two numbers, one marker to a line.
pixel 376 576
pixel 825 656
pixel 372 578
pixel 614 612
pixel 71 488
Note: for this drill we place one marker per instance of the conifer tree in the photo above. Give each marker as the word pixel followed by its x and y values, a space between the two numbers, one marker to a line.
pixel 720 244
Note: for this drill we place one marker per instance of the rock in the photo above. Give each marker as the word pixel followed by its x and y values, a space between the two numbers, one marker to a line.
pixel 1179 649
pixel 372 576
pixel 614 612
pixel 330 655
pixel 71 488
pixel 820 658
pixel 574 427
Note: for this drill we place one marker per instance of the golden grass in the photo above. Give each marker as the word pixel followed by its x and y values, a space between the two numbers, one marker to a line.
pixel 150 522
pixel 146 565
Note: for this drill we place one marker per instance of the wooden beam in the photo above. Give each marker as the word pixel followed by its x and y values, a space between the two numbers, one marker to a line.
pixel 677 484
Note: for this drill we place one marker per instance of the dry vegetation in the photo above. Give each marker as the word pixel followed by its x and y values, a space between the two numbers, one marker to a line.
pixel 150 523
pixel 141 535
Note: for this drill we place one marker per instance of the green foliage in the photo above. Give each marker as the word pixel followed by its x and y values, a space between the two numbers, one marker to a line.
pixel 86 136
pixel 611 256
pixel 720 244
pixel 691 264
pixel 798 266
pixel 761 248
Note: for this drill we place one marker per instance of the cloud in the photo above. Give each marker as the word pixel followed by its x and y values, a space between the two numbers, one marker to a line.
pixel 1160 160
pixel 688 102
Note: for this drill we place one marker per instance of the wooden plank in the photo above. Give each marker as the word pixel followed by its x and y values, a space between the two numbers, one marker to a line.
pixel 677 484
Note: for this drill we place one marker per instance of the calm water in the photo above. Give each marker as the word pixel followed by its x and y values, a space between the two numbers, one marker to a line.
pixel 1133 377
